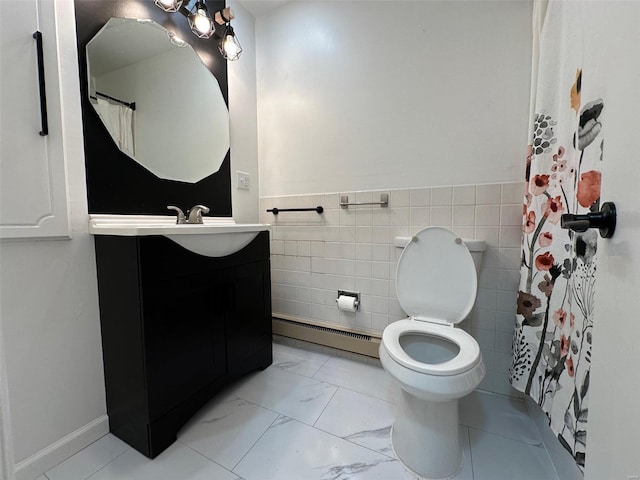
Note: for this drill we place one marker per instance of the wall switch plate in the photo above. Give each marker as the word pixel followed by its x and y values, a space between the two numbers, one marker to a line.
pixel 243 180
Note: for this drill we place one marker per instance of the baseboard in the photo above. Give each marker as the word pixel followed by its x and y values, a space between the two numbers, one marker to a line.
pixel 332 336
pixel 49 457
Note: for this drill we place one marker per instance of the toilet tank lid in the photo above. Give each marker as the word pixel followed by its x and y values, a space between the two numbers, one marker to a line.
pixel 473 244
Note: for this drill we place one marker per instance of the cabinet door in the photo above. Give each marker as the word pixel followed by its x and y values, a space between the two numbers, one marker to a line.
pixel 33 194
pixel 184 341
pixel 248 292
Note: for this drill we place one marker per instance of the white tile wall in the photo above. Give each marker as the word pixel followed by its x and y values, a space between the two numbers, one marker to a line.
pixel 313 255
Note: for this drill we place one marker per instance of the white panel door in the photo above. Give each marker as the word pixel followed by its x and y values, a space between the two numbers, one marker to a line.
pixel 33 194
pixel 613 439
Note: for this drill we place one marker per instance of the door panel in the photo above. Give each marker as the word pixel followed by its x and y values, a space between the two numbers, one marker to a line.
pixel 184 341
pixel 249 312
pixel 614 417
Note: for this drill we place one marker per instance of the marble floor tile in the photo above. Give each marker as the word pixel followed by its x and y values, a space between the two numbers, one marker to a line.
pixel 565 465
pixel 295 360
pixel 360 419
pixel 178 462
pixel 224 431
pixel 289 394
pixel 312 416
pixel 495 457
pixel 500 415
pixel 292 450
pixel 89 460
pixel 359 377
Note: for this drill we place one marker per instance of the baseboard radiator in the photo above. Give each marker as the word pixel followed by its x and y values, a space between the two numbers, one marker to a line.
pixel 327 335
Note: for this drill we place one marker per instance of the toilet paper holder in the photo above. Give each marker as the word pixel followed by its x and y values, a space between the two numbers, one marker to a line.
pixel 346 293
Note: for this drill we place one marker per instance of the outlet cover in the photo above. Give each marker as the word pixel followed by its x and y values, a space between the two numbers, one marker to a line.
pixel 243 180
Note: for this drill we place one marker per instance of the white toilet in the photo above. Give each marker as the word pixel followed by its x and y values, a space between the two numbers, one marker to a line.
pixel 434 362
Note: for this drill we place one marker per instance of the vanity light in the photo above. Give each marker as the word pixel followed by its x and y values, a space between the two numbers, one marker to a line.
pixel 169 5
pixel 200 21
pixel 203 26
pixel 229 45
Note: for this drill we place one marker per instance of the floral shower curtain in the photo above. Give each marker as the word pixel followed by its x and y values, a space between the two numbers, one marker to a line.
pixel 554 321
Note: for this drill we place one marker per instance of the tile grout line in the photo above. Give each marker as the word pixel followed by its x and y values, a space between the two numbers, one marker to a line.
pixel 352 390
pixel 470 452
pixel 358 445
pixel 549 457
pixel 258 439
pixel 204 456
pixel 540 445
pixel 280 413
pixel 108 463
pixel 325 407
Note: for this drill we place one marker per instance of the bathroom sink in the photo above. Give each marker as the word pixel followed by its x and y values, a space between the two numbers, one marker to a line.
pixel 216 237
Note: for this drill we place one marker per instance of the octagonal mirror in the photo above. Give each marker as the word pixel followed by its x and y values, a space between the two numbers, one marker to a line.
pixel 160 103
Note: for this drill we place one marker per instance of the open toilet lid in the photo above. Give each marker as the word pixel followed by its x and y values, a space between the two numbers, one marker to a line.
pixel 436 277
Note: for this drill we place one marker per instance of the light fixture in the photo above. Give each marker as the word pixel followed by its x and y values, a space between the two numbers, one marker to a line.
pixel 202 24
pixel 169 5
pixel 200 21
pixel 229 45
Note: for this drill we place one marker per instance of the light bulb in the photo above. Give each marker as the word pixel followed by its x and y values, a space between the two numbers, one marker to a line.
pixel 229 46
pixel 168 5
pixel 202 22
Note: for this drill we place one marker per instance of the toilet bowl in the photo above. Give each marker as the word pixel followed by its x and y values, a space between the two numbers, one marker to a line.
pixel 434 362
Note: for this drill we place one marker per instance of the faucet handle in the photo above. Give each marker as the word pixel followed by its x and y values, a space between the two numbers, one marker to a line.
pixel 195 213
pixel 180 218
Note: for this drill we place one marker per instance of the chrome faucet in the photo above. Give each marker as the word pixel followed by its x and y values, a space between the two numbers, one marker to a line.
pixel 195 213
pixel 180 218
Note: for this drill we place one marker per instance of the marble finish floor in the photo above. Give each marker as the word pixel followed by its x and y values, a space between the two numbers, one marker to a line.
pixel 313 416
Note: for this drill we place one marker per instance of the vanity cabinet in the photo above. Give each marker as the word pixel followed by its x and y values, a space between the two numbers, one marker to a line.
pixel 176 328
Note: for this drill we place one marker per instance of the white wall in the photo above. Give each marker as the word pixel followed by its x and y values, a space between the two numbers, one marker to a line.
pixel 374 95
pixel 49 312
pixel 243 117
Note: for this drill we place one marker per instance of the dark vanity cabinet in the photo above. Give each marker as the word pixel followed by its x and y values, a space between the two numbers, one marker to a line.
pixel 177 327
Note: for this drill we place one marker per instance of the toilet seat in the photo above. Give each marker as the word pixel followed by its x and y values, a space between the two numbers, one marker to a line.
pixel 468 355
pixel 436 281
pixel 436 277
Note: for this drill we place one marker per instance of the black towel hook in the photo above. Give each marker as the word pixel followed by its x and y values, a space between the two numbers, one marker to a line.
pixel 604 220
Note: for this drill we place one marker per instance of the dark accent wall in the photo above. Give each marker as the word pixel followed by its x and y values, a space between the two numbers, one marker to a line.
pixel 116 183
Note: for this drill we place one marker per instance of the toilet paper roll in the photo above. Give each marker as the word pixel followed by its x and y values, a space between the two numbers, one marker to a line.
pixel 347 304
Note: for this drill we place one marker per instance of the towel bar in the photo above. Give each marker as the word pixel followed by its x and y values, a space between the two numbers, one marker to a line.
pixel 275 211
pixel 384 201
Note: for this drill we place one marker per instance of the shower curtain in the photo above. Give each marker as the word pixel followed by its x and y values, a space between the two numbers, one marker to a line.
pixel 554 320
pixel 120 121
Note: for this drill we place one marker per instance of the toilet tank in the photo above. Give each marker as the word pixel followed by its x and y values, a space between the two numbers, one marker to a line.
pixel 475 246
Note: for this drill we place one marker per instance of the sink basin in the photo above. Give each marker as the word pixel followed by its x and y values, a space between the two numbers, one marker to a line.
pixel 216 237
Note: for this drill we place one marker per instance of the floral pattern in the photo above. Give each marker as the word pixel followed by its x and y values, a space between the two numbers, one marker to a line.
pixel 552 340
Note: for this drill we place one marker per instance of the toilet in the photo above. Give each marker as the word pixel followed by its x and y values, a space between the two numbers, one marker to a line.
pixel 434 362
